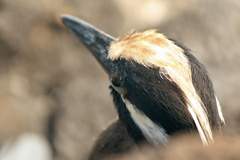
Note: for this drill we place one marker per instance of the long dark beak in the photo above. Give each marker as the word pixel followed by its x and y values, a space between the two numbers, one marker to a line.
pixel 95 40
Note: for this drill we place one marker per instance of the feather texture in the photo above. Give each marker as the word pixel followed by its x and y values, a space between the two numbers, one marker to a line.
pixel 152 49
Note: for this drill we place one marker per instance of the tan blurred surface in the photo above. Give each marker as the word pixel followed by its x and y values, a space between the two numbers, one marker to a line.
pixel 189 148
pixel 45 70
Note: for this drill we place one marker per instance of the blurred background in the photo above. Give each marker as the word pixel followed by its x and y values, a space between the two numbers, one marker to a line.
pixel 55 96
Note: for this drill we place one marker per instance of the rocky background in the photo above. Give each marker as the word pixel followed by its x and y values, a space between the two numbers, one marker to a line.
pixel 53 88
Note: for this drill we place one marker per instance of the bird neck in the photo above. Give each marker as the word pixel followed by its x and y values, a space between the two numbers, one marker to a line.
pixel 124 116
pixel 140 127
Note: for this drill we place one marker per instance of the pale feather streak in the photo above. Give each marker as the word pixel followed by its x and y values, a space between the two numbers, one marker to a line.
pixel 220 113
pixel 151 131
pixel 163 53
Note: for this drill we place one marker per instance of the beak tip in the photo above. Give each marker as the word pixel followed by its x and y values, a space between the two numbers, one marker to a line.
pixel 67 20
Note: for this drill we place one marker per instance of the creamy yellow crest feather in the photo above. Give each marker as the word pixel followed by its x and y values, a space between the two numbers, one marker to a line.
pixel 153 49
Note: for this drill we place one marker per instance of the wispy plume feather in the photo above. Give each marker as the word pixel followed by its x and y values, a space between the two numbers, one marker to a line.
pixel 153 49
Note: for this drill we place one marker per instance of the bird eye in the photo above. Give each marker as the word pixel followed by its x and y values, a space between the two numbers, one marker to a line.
pixel 116 81
pixel 117 84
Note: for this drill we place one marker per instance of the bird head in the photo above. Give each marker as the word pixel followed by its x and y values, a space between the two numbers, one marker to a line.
pixel 163 87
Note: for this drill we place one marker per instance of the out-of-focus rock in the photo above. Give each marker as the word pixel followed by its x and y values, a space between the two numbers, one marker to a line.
pixel 26 147
pixel 47 75
pixel 189 148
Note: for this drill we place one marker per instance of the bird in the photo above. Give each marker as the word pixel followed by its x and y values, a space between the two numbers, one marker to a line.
pixel 159 89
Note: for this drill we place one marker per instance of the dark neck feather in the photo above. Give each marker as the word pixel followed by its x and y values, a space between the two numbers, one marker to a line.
pixel 125 117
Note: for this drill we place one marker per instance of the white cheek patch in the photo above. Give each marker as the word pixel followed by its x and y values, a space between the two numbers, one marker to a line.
pixel 151 131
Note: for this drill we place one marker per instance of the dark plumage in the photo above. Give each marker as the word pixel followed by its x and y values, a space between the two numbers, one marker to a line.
pixel 159 89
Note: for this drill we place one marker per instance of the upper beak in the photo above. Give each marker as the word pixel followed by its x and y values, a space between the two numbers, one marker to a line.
pixel 95 40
